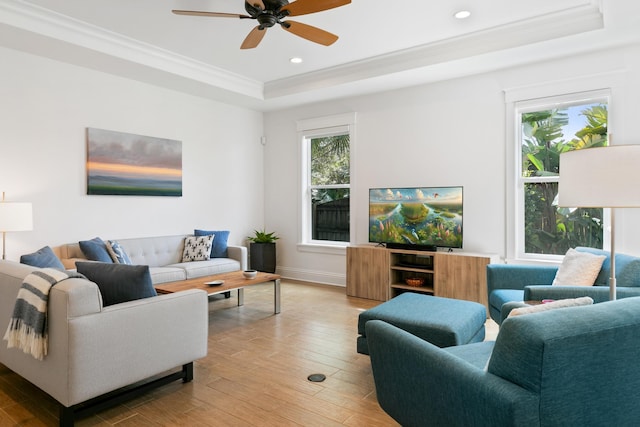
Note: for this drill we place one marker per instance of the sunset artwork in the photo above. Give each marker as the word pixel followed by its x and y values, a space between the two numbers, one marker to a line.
pixel 132 165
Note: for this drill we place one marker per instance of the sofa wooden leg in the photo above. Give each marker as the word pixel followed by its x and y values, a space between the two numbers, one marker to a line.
pixel 67 416
pixel 187 371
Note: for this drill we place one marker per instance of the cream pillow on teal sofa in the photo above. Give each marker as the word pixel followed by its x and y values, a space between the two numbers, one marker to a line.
pixel 562 303
pixel 578 269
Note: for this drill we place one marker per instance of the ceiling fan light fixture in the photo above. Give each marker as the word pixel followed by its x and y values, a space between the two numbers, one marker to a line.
pixel 295 60
pixel 462 14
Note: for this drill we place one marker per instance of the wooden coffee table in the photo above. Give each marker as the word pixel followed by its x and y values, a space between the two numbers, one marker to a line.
pixel 232 281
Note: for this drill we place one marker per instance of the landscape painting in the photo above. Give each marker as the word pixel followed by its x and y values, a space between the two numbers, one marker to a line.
pixel 132 165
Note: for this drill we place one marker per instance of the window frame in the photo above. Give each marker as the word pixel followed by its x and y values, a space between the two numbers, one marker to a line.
pixel 307 130
pixel 515 180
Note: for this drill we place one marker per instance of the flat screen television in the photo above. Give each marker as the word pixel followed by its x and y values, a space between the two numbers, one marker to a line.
pixel 422 218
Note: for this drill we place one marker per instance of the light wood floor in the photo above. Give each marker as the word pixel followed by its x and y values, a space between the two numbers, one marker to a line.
pixel 255 373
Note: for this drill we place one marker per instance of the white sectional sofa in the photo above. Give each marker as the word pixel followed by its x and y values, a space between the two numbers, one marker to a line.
pixel 94 349
pixel 163 255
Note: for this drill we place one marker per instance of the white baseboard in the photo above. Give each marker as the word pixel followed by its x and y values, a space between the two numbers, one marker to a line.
pixel 312 276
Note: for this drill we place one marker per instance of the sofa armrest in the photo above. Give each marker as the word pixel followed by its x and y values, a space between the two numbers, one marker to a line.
pixel 512 276
pixel 239 253
pixel 417 381
pixel 75 297
pixel 95 350
pixel 598 293
pixel 135 340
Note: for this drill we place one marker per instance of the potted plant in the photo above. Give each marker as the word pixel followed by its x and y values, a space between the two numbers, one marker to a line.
pixel 262 251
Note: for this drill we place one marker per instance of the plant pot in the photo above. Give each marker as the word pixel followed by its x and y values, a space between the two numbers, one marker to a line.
pixel 263 257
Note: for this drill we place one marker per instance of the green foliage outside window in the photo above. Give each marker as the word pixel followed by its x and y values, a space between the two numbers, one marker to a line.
pixel 330 178
pixel 548 228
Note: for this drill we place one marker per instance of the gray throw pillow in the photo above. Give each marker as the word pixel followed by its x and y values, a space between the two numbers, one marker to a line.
pixel 118 282
pixel 43 258
pixel 95 250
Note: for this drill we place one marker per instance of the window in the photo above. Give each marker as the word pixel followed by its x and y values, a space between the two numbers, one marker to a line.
pixel 546 128
pixel 329 187
pixel 326 146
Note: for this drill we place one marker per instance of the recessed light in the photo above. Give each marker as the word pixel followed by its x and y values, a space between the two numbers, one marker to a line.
pixel 295 60
pixel 462 14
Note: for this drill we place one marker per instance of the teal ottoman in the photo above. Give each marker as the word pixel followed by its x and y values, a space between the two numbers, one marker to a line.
pixel 443 322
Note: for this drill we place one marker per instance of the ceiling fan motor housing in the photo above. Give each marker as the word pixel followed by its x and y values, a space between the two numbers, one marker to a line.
pixel 267 20
pixel 271 6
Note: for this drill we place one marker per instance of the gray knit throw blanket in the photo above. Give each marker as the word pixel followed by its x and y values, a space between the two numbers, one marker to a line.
pixel 28 326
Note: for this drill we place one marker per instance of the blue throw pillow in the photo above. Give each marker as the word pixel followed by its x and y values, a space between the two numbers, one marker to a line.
pixel 95 250
pixel 117 252
pixel 118 282
pixel 43 258
pixel 219 249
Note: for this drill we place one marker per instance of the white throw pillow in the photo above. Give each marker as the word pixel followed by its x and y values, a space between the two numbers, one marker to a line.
pixel 562 303
pixel 578 269
pixel 197 248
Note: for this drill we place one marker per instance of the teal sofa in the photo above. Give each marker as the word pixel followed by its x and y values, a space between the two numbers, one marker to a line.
pixel 511 284
pixel 568 367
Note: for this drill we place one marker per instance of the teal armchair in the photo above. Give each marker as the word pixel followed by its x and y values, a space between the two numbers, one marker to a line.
pixel 568 367
pixel 511 283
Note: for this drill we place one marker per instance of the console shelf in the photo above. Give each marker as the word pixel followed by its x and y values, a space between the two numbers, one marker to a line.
pixel 404 265
pixel 380 273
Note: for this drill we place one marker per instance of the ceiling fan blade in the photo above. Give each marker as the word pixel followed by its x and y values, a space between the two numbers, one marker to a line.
pixel 254 38
pixel 210 14
pixel 259 4
pixel 303 7
pixel 310 33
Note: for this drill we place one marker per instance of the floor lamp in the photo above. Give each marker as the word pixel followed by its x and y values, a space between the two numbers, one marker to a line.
pixel 603 177
pixel 14 217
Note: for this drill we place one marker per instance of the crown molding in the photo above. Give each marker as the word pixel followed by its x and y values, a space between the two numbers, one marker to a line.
pixel 551 26
pixel 114 53
pixel 60 27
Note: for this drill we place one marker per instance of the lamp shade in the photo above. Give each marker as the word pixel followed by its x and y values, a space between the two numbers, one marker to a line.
pixel 603 177
pixel 16 216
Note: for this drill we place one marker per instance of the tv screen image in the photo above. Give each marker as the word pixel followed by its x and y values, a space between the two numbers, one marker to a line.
pixel 416 217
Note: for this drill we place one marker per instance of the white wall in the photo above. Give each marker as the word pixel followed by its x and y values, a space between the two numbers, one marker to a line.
pixel 45 107
pixel 447 133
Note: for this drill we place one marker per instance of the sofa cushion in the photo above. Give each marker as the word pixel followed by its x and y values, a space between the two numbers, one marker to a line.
pixel 42 258
pixel 477 354
pixel 166 274
pixel 219 249
pixel 118 282
pixel 156 251
pixel 95 250
pixel 197 248
pixel 578 269
pixel 207 268
pixel 563 303
pixel 502 296
pixel 117 252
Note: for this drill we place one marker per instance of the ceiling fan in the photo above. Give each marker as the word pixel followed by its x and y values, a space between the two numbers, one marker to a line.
pixel 271 12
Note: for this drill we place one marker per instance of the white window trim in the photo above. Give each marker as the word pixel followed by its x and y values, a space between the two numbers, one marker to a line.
pixel 530 99
pixel 309 128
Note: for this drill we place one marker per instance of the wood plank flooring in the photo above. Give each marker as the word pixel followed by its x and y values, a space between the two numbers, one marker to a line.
pixel 255 373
